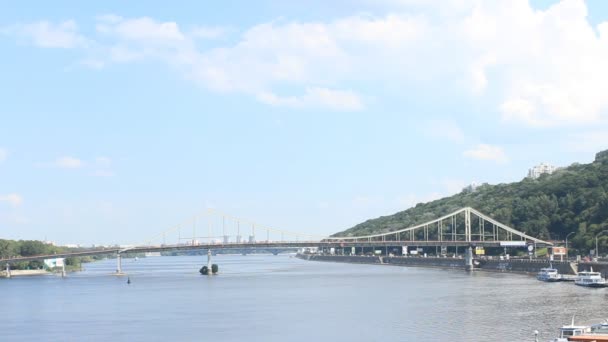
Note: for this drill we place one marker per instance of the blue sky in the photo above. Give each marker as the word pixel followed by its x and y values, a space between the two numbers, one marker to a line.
pixel 121 120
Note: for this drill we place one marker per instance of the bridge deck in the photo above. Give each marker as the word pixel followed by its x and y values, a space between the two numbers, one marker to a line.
pixel 262 244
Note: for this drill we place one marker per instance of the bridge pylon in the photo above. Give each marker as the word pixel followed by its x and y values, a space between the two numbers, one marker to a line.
pixel 467 224
pixel 468 259
pixel 119 264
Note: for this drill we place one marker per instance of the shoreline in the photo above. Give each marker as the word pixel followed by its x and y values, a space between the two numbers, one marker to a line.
pixel 496 266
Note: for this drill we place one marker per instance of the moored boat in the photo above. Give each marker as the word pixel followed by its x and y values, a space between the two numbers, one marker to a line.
pixel 591 333
pixel 571 330
pixel 597 333
pixel 590 279
pixel 549 275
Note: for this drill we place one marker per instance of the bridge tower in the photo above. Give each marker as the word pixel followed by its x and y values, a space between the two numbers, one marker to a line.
pixel 468 259
pixel 467 224
pixel 119 264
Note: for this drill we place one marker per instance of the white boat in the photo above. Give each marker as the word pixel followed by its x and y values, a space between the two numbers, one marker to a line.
pixel 571 330
pixel 548 274
pixel 590 279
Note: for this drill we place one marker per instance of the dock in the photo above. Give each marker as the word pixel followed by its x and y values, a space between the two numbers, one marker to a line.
pixel 568 277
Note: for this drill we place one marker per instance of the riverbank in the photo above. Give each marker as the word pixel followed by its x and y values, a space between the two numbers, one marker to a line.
pixel 521 266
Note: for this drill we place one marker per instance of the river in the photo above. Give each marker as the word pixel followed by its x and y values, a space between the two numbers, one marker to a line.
pixel 282 298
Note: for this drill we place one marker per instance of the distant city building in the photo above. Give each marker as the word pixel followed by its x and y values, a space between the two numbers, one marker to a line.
pixel 541 169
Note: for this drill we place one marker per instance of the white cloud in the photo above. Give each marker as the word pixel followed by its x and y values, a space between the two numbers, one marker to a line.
pixel 49 35
pixel 550 66
pixel 538 67
pixel 68 163
pixel 3 154
pixel 14 200
pixel 520 110
pixel 487 152
pixel 140 29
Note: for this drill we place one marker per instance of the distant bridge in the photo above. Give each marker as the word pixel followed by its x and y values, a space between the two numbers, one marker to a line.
pixel 465 227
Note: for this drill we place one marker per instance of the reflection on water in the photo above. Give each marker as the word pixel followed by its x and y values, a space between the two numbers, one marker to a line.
pixel 279 298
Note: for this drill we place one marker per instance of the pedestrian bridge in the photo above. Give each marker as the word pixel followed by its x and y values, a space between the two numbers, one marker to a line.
pixel 465 227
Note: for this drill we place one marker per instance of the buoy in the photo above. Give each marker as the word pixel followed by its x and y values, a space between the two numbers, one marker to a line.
pixel 204 270
pixel 128 280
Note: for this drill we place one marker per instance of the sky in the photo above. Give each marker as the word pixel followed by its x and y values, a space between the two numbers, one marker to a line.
pixel 120 120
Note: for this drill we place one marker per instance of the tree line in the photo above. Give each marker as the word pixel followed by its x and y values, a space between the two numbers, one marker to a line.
pixel 23 248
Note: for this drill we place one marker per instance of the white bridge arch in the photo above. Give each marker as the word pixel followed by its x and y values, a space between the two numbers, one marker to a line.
pixel 436 230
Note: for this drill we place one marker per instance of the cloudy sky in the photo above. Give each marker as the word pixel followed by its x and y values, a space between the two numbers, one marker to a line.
pixel 121 120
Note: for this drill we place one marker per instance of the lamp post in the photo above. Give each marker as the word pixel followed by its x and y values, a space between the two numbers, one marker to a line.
pixel 567 250
pixel 598 234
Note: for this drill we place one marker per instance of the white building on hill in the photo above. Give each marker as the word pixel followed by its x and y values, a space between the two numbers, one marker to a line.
pixel 540 169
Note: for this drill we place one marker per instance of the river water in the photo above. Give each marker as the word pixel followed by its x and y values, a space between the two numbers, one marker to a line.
pixel 282 298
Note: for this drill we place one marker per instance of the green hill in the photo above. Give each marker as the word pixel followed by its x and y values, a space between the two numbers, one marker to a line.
pixel 572 199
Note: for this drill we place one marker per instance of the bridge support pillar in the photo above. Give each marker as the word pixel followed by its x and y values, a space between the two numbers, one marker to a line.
pixel 8 270
pixel 119 264
pixel 468 259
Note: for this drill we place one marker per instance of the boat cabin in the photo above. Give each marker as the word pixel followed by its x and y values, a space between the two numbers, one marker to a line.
pixel 568 331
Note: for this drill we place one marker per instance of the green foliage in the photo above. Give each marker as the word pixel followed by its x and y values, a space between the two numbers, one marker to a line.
pixel 21 248
pixel 573 199
pixel 11 249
